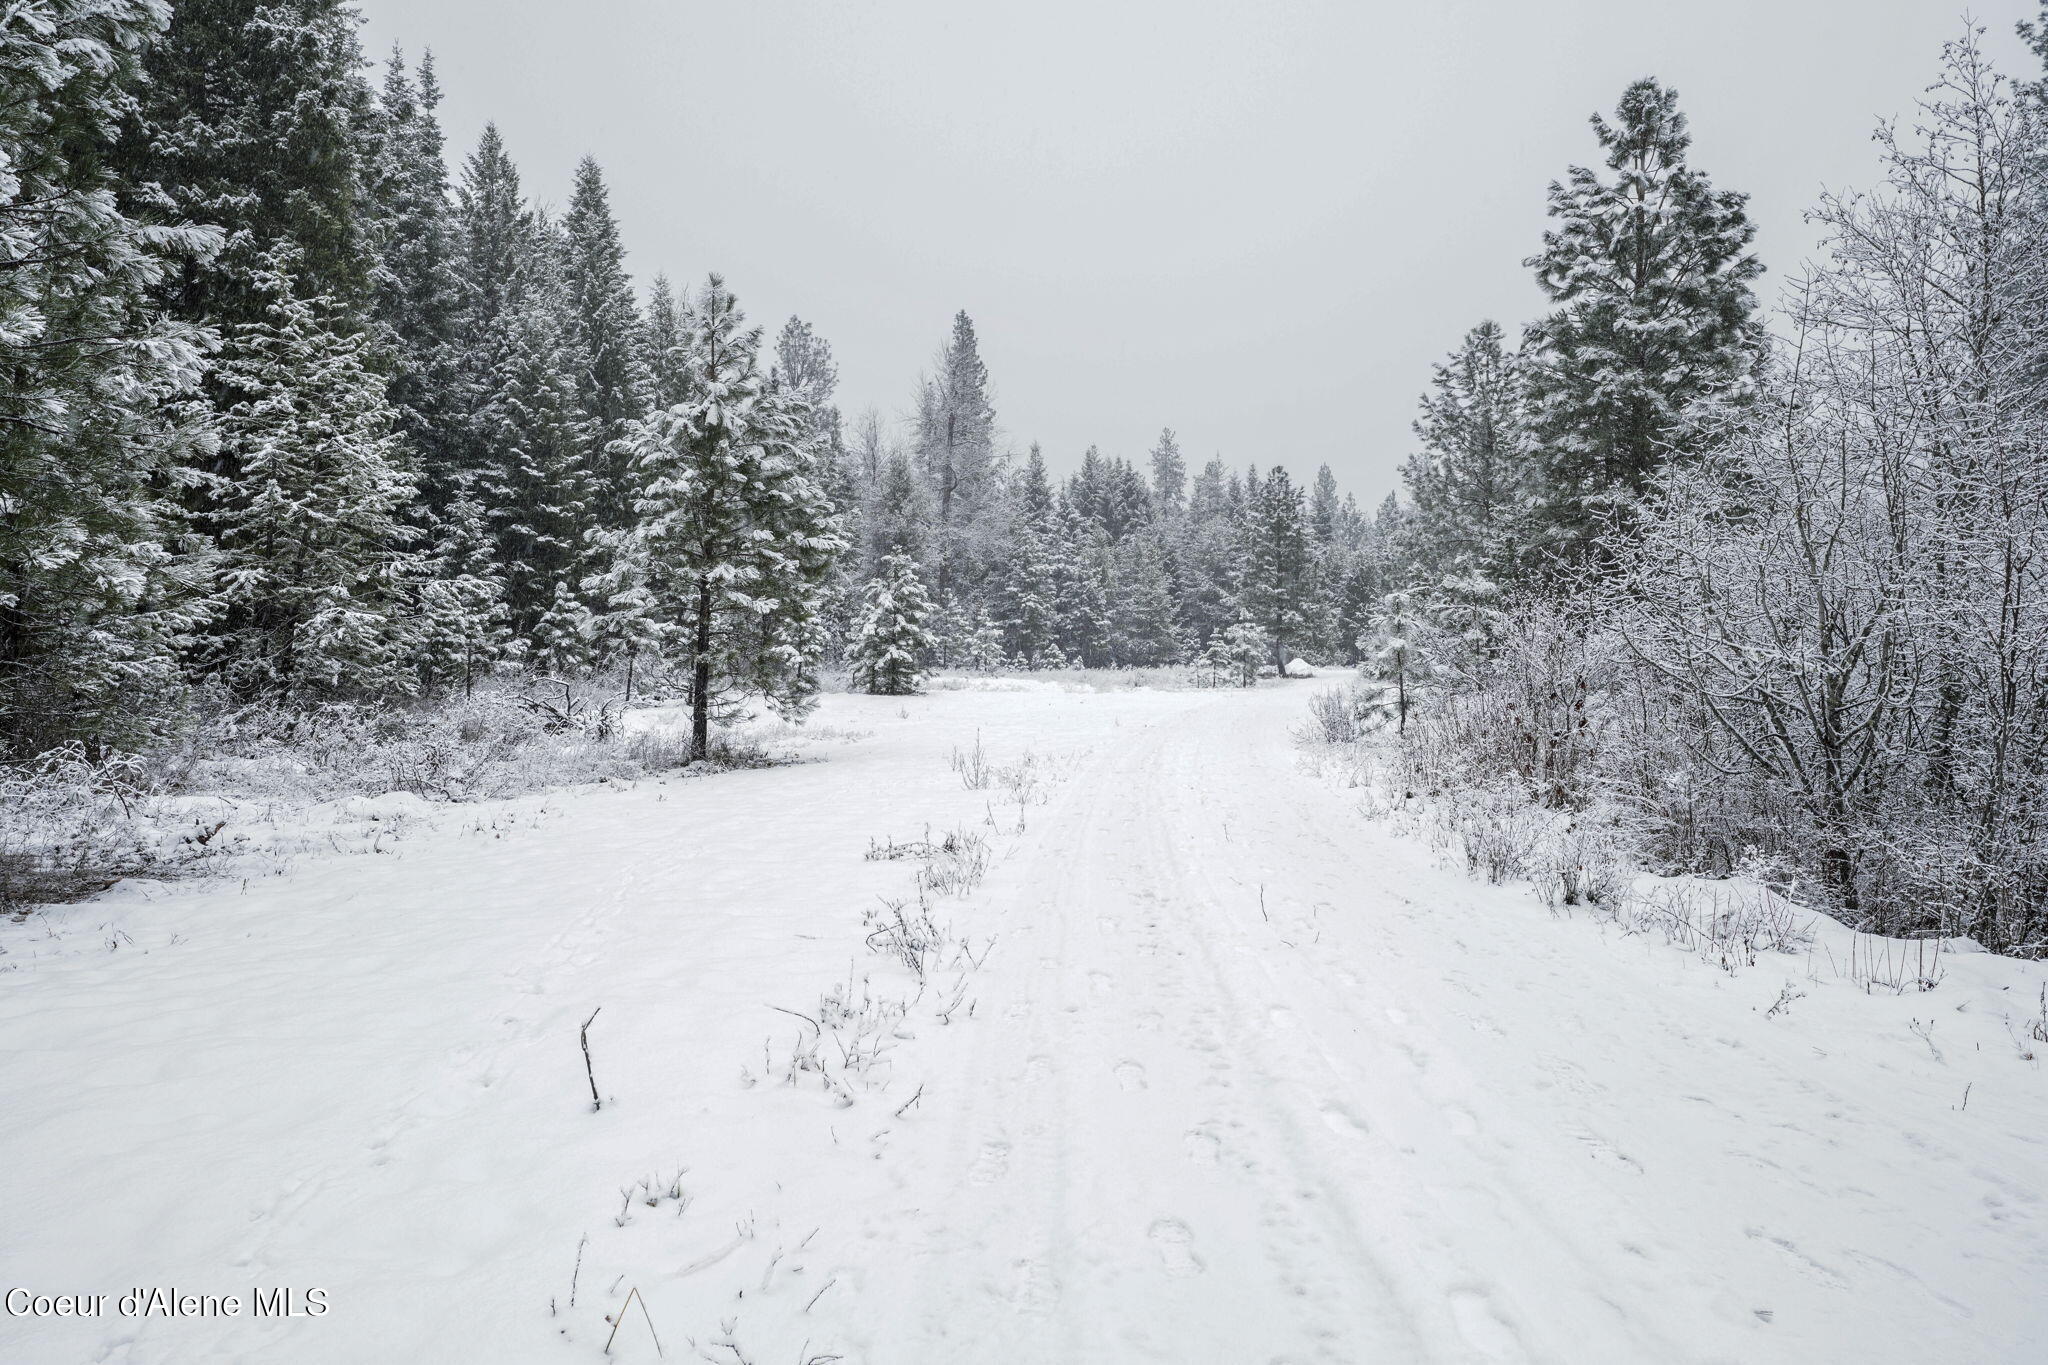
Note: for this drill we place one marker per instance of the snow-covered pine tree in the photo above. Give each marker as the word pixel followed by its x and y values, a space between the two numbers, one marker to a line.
pixel 897 518
pixel 255 116
pixel 984 652
pixel 559 645
pixel 1274 586
pixel 417 299
pixel 1650 271
pixel 804 365
pixel 953 628
pixel 892 639
pixel 735 533
pixel 494 231
pixel 314 553
pixel 661 340
pixel 1472 482
pixel 1081 601
pixel 460 627
pixel 1029 598
pixel 525 434
pixel 1235 655
pixel 625 628
pixel 1208 555
pixel 1323 506
pixel 1169 476
pixel 1141 614
pixel 1357 598
pixel 93 599
pixel 1127 508
pixel 1397 655
pixel 612 382
pixel 1087 489
pixel 956 454
pixel 1026 593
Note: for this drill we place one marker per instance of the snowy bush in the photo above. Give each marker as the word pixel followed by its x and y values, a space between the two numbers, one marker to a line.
pixel 1337 715
pixel 71 825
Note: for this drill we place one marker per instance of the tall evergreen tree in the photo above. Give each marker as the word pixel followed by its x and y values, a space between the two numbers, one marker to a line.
pixel 417 284
pixel 804 364
pixel 525 438
pixel 255 117
pixel 661 340
pixel 1208 554
pixel 93 601
pixel 315 564
pixel 1027 601
pixel 1275 583
pixel 956 452
pixel 1471 483
pixel 1649 269
pixel 734 535
pixel 1079 556
pixel 605 335
pixel 1323 507
pixel 532 439
pixel 494 233
pixel 897 518
pixel 1141 614
pixel 1169 476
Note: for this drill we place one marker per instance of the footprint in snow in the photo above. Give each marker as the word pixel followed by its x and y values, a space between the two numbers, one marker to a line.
pixel 1034 1290
pixel 1480 1323
pixel 1130 1075
pixel 1342 1123
pixel 1176 1246
pixel 991 1165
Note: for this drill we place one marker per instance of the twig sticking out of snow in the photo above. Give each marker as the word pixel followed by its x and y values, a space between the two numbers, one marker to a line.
pixel 596 1104
pixel 620 1316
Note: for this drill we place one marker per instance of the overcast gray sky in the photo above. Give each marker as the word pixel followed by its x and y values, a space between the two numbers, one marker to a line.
pixel 1256 223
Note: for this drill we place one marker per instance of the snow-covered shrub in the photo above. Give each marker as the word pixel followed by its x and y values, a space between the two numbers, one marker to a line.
pixel 71 825
pixel 1334 715
pixel 957 863
pixel 1727 924
pixel 1494 831
pixel 861 1027
pixel 973 766
pixel 953 866
pixel 1585 861
pixel 905 932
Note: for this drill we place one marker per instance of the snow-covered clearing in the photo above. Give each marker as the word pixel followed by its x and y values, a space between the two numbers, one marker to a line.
pixel 1244 1077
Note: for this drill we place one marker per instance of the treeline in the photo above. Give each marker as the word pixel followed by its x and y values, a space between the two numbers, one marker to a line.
pixel 292 410
pixel 1114 566
pixel 1737 597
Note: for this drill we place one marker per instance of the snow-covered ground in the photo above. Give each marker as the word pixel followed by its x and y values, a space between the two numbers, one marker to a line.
pixel 1243 1077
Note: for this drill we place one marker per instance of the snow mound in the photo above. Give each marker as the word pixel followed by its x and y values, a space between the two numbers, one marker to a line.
pixel 1297 668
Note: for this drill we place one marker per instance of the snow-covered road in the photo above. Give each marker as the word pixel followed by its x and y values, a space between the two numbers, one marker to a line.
pixel 1247 1079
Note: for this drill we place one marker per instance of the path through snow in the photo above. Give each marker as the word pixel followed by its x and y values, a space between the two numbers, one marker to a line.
pixel 1247 1079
